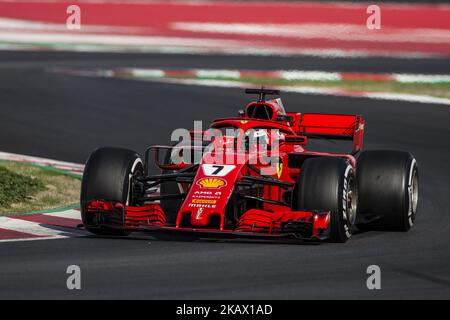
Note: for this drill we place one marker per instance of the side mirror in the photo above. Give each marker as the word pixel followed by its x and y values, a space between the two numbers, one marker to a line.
pixel 296 140
pixel 285 118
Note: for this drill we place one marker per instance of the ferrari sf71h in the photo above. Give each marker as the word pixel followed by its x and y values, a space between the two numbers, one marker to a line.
pixel 279 189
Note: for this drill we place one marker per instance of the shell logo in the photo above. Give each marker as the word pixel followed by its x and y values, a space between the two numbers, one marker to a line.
pixel 212 183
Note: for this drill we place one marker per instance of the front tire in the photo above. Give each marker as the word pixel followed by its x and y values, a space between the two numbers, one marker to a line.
pixel 328 184
pixel 388 182
pixel 107 176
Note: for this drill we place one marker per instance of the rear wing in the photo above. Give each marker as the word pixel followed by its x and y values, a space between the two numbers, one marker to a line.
pixel 330 126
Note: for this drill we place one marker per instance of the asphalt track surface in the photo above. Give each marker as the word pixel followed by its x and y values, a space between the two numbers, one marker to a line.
pixel 63 117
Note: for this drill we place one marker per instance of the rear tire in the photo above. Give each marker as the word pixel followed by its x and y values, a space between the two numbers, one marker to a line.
pixel 107 177
pixel 328 184
pixel 388 182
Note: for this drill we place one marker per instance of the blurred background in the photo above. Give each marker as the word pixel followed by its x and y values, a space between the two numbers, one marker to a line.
pixel 65 67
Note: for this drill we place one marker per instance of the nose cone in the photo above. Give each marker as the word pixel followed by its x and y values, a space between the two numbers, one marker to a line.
pixel 209 194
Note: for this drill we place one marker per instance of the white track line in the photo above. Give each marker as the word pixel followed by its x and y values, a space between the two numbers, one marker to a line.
pixel 32 228
pixel 204 73
pixel 142 73
pixel 19 25
pixel 339 31
pixel 421 78
pixel 114 40
pixel 310 75
pixel 69 214
pixel 33 239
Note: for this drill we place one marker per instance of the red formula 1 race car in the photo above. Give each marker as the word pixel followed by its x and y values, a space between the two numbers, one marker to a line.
pixel 253 176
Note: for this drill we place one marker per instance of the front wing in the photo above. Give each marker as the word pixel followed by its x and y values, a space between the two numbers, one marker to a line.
pixel 253 224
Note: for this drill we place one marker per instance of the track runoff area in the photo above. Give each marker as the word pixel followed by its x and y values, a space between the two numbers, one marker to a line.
pixel 51 224
pixel 325 29
pixel 289 29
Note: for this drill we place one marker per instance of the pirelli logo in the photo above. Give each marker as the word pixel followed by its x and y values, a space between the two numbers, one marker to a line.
pixel 204 201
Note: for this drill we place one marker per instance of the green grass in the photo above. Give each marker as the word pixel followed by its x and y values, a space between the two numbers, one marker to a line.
pixel 28 188
pixel 15 187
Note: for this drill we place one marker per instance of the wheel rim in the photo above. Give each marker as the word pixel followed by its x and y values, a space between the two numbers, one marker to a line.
pixel 351 201
pixel 413 190
pixel 134 172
